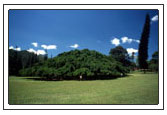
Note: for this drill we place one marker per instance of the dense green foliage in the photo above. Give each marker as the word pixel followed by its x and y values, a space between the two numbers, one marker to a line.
pixel 14 62
pixel 75 63
pixel 21 60
pixel 137 88
pixel 121 55
pixel 143 46
pixel 153 63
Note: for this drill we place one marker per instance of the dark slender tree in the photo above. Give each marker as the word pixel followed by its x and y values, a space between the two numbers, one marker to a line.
pixel 51 56
pixel 132 56
pixel 143 46
pixel 46 55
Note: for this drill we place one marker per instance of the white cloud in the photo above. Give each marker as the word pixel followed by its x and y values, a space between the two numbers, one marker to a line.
pixel 126 39
pixel 131 50
pixel 129 40
pixel 52 47
pixel 115 41
pixel 74 46
pixel 38 52
pixel 138 41
pixel 17 49
pixel 154 18
pixel 35 44
pixel 11 47
pixel 32 50
pixel 44 46
pixel 48 47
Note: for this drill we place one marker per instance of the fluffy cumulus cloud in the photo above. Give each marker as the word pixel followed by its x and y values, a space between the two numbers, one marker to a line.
pixel 35 44
pixel 11 47
pixel 126 39
pixel 41 52
pixel 74 46
pixel 32 50
pixel 154 18
pixel 131 50
pixel 129 40
pixel 48 47
pixel 115 41
pixel 44 46
pixel 17 49
pixel 38 52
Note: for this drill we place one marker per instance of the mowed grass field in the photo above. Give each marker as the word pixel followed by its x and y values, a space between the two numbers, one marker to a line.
pixel 136 88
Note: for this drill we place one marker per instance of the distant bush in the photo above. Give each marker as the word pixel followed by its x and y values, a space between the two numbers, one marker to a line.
pixel 153 63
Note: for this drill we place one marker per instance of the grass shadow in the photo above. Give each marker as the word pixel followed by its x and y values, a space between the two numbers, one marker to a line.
pixel 87 79
pixel 40 79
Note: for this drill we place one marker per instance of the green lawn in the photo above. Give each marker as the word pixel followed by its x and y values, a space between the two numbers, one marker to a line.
pixel 137 88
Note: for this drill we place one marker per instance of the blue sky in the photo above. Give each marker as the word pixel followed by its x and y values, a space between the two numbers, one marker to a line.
pixel 64 30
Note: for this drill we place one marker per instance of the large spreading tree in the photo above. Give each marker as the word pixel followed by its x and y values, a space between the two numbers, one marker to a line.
pixel 121 55
pixel 89 64
pixel 143 46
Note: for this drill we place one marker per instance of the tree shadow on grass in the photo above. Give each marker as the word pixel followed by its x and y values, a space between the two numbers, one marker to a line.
pixel 40 79
pixel 86 79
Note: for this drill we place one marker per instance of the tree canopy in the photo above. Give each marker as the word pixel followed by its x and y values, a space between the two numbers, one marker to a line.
pixel 121 55
pixel 70 65
pixel 21 60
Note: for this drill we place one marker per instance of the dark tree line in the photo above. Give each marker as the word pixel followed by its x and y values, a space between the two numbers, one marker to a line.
pixel 154 62
pixel 22 59
pixel 89 64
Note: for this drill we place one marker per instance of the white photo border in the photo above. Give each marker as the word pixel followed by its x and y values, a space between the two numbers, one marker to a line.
pixel 7 7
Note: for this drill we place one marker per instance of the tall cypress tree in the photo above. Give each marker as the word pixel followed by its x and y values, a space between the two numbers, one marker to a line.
pixel 143 46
